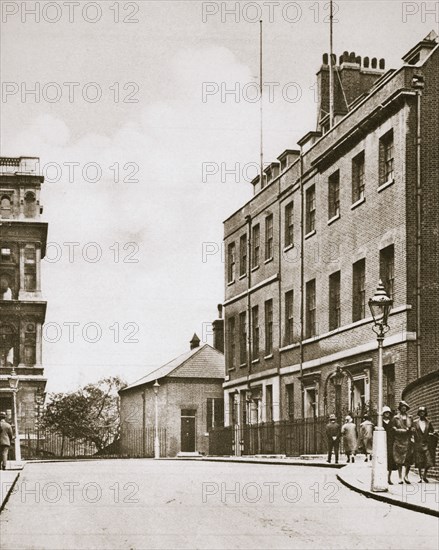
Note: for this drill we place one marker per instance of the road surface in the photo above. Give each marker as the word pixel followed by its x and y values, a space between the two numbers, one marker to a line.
pixel 147 504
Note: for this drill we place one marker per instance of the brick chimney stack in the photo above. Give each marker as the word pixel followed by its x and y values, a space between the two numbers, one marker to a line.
pixel 218 330
pixel 353 77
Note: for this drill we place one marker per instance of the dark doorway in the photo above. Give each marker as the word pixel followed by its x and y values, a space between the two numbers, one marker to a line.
pixel 187 431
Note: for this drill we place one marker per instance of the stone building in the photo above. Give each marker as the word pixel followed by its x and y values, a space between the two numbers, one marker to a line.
pixel 189 403
pixel 354 203
pixel 22 309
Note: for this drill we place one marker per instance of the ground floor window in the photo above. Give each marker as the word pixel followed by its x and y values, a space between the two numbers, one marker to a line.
pixel 310 402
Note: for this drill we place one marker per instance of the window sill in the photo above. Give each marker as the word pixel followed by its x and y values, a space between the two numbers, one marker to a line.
pixel 255 268
pixel 268 260
pixel 231 369
pixel 385 185
pixel 334 218
pixel 243 276
pixel 254 361
pixel 269 356
pixel 243 365
pixel 289 247
pixel 231 282
pixel 310 234
pixel 357 203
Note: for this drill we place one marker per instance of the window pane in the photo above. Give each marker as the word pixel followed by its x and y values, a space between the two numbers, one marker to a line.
pixel 269 237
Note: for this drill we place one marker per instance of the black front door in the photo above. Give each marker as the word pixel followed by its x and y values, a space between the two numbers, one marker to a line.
pixel 188 431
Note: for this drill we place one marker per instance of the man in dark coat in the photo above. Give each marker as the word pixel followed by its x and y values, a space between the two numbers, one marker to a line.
pixel 5 439
pixel 333 437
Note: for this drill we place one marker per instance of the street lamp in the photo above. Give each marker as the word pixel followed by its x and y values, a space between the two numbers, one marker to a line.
pixel 380 306
pixel 338 381
pixel 13 384
pixel 156 387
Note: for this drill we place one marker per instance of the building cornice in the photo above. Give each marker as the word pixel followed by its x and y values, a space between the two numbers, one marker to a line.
pixel 269 373
pixel 263 283
pixel 344 328
pixel 398 338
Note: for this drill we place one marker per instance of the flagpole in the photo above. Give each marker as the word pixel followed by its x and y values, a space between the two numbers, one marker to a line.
pixel 331 67
pixel 261 107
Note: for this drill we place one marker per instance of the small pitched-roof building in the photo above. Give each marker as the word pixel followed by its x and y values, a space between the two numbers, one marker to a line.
pixel 189 402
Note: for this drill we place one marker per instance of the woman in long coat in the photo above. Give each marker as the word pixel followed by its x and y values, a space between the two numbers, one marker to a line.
pixel 402 424
pixel 387 425
pixel 365 438
pixel 425 443
pixel 349 434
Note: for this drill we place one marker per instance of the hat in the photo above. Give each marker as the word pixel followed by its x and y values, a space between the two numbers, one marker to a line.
pixel 2 415
pixel 422 409
pixel 348 418
pixel 332 417
pixel 386 409
pixel 403 403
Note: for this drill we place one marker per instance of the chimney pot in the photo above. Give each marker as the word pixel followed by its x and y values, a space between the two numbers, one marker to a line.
pixel 220 311
pixel 325 59
pixel 345 56
pixel 358 59
pixel 374 63
pixel 340 60
pixel 382 64
pixel 366 62
pixel 352 57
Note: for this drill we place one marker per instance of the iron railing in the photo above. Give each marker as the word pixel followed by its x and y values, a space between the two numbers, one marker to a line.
pixel 289 437
pixel 47 443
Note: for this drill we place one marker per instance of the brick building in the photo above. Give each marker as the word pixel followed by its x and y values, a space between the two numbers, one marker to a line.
pixel 354 204
pixel 189 400
pixel 22 309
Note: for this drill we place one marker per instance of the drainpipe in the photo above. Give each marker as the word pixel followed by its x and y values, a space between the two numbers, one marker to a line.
pixel 248 219
pixel 302 282
pixel 418 232
pixel 279 297
pixel 144 422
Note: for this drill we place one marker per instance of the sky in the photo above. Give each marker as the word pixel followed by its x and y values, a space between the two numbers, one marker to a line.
pixel 145 116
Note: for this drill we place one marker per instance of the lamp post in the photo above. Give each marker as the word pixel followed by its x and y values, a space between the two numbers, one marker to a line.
pixel 13 384
pixel 380 306
pixel 156 387
pixel 338 381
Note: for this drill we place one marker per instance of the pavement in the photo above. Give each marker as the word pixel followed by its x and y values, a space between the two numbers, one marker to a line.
pixel 420 497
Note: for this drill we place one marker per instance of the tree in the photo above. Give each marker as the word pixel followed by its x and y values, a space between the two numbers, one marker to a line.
pixel 90 413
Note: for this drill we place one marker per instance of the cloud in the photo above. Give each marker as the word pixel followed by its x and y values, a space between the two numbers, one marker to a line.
pixel 168 214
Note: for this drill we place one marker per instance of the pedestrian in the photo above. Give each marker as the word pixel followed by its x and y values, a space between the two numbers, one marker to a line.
pixel 387 425
pixel 349 433
pixel 5 439
pixel 425 443
pixel 333 437
pixel 402 424
pixel 365 438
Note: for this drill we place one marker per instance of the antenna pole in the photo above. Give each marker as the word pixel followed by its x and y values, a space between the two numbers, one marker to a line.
pixel 261 107
pixel 331 67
